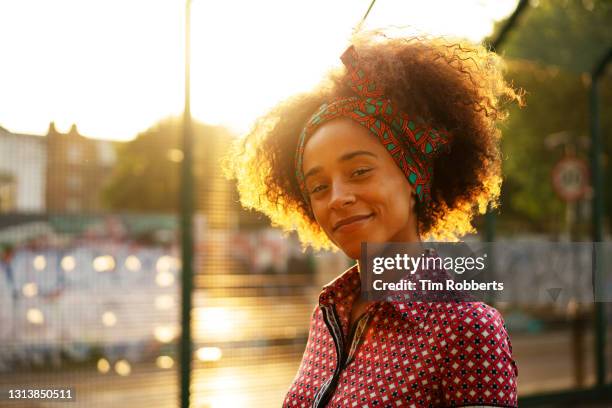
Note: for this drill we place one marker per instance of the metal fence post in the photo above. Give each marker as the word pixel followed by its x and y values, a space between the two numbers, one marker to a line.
pixel 186 226
pixel 597 218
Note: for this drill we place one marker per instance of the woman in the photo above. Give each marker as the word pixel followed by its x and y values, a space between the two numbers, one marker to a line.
pixel 398 145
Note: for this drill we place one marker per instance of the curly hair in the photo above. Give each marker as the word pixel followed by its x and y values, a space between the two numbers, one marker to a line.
pixel 454 85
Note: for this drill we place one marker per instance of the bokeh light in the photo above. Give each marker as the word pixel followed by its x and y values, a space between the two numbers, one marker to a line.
pixel 30 289
pixel 132 263
pixel 104 263
pixel 164 334
pixel 103 366
pixel 164 362
pixel 35 316
pixel 164 279
pixel 209 354
pixel 68 263
pixel 123 368
pixel 109 319
pixel 39 262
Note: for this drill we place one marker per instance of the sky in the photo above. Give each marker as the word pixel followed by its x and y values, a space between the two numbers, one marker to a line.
pixel 115 67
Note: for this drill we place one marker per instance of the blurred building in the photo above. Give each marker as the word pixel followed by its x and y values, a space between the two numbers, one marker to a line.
pixel 57 173
pixel 77 169
pixel 23 161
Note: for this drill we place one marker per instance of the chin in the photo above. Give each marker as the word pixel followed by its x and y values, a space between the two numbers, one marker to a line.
pixel 354 255
pixel 352 250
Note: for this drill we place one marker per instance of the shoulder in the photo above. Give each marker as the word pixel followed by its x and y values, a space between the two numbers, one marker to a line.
pixel 468 317
pixel 476 332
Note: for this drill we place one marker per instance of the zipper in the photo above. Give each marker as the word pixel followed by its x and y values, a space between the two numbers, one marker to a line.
pixel 332 321
pixel 330 317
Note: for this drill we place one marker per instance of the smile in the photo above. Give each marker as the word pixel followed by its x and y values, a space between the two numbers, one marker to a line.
pixel 352 223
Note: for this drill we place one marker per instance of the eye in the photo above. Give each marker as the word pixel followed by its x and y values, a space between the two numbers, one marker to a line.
pixel 317 188
pixel 360 171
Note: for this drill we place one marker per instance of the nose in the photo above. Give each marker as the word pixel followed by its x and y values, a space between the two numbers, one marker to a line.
pixel 341 195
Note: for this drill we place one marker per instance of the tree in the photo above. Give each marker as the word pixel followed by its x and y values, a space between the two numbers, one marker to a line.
pixel 147 176
pixel 549 55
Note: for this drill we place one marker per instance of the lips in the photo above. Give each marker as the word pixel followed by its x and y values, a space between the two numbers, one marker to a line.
pixel 351 222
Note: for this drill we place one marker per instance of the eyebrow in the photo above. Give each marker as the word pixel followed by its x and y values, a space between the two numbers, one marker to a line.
pixel 345 157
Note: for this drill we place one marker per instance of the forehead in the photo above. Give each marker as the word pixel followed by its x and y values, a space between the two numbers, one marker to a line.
pixel 339 136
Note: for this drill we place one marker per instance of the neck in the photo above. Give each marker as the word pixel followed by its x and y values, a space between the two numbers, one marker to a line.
pixel 414 249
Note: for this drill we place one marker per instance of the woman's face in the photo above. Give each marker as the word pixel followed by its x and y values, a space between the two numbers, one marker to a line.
pixel 356 190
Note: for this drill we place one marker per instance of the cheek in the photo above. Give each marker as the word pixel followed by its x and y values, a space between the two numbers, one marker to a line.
pixel 395 198
pixel 320 214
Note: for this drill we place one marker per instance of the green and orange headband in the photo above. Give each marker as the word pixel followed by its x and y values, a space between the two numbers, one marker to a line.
pixel 411 143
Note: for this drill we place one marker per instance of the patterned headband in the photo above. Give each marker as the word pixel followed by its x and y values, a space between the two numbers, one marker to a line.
pixel 412 144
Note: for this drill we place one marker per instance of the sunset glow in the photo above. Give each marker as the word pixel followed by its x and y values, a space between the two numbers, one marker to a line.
pixel 115 68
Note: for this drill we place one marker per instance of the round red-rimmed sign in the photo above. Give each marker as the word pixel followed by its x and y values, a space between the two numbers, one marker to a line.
pixel 570 178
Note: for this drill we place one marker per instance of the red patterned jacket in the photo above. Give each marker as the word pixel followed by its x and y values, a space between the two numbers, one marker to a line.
pixel 403 354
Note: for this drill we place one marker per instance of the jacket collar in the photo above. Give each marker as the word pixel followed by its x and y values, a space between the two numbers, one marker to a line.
pixel 342 291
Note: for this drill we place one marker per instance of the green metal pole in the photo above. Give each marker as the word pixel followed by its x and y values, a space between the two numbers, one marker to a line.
pixel 186 226
pixel 597 217
pixel 510 23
